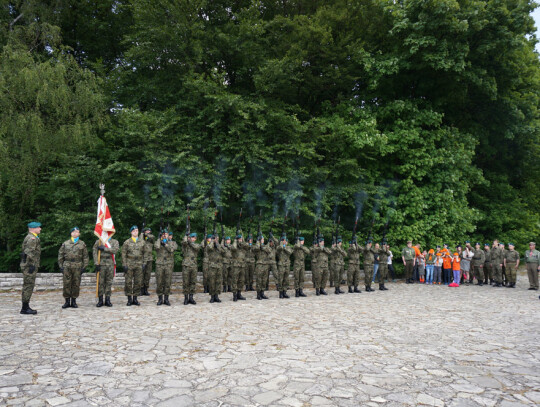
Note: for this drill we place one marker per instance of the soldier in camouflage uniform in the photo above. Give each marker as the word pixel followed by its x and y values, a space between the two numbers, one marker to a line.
pixel 283 253
pixel 190 251
pixel 226 261
pixel 214 251
pixel 299 266
pixel 132 255
pixel 323 254
pixel 205 264
pixel 503 267
pixel 72 260
pixel 496 263
pixel 239 251
pixel 338 264
pixel 165 248
pixel 369 259
pixel 30 261
pixel 315 275
pixel 250 264
pixel 148 259
pixel 382 274
pixel 488 274
pixel 511 262
pixel 353 271
pixel 105 267
pixel 532 260
pixel 409 257
pixel 265 258
pixel 478 260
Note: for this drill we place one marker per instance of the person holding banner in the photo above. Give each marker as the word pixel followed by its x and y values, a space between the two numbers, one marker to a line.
pixel 104 259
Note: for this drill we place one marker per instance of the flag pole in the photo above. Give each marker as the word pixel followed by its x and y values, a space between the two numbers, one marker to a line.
pixel 102 190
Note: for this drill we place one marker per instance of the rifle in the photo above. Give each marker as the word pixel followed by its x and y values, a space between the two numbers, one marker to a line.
pixel 214 227
pixel 283 233
pixel 337 228
pixel 334 237
pixel 222 229
pixel 370 236
pixel 249 228
pixel 188 225
pixel 270 234
pixel 354 230
pixel 205 231
pixel 168 223
pixel 238 228
pixel 144 218
pixel 297 231
pixel 318 229
pixel 161 223
pixel 259 232
pixel 384 233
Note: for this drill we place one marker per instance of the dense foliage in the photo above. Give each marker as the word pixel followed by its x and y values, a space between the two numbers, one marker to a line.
pixel 419 113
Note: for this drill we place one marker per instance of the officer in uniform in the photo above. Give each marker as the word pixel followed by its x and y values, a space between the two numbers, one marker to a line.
pixel 72 260
pixel 511 263
pixel 105 267
pixel 532 259
pixel 338 264
pixel 214 251
pixel 30 261
pixel 408 257
pixel 496 263
pixel 148 259
pixel 239 251
pixel 383 265
pixel 190 250
pixel 283 266
pixel 478 260
pixel 369 259
pixel 353 271
pixel 165 248
pixel 322 253
pixel 299 266
pixel 488 272
pixel 208 238
pixel 132 260
pixel 250 264
pixel 226 261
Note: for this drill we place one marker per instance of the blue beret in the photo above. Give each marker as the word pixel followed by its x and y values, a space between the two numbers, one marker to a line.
pixel 467 241
pixel 133 227
pixel 74 228
pixel 165 231
pixel 34 225
pixel 147 229
pixel 170 233
pixel 339 240
pixel 283 238
pixel 321 239
pixel 438 246
pixel 486 244
pixel 510 244
pixel 228 238
pixel 301 239
pixel 209 236
pixel 239 236
pixel 193 235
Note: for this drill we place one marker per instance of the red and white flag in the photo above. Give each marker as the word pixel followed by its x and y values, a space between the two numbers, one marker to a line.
pixel 104 229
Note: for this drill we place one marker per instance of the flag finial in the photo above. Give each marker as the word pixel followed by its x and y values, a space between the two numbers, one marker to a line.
pixel 102 188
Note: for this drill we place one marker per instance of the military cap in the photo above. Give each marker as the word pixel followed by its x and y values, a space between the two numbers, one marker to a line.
pixel 438 246
pixel 147 229
pixel 32 225
pixel 477 243
pixel 510 244
pixel 170 233
pixel 486 244
pixel 301 239
pixel 532 243
pixel 228 238
pixel 467 241
pixel 193 235
pixel 239 236
pixel 133 228
pixel 339 240
pixel 74 228
pixel 321 239
pixel 165 231
pixel 369 241
pixel 209 236
pixel 283 238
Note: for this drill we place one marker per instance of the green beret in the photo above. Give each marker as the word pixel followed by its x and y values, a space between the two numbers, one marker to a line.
pixel 32 225
pixel 228 238
pixel 147 230
pixel 321 238
pixel 209 236
pixel 193 235
pixel 239 236
pixel 301 239
pixel 74 228
pixel 339 240
pixel 510 244
pixel 133 227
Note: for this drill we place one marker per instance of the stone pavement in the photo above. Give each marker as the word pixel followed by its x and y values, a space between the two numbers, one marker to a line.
pixel 412 345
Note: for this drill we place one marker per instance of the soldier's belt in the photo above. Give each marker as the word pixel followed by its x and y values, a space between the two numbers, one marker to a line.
pixel 72 264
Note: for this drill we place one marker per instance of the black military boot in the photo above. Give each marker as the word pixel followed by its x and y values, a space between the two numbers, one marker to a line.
pixel 336 290
pixel 285 295
pixel 142 291
pixel 26 310
pixel 216 298
pixel 205 291
pixel 108 301
pixel 350 289
pixel 301 292
pixel 381 287
pixel 130 301
pixel 224 288
pixel 240 296
pixel 74 303
pixel 212 299
pixel 67 304
pixel 166 300
pixel 331 283
pixel 186 299
pixel 296 293
pixel 259 295
pixel 281 294
pixel 384 287
pixel 317 292
pixel 356 290
pixel 251 287
pixel 229 289
pixel 264 297
pixel 100 301
pixel 191 300
pixel 247 287
pixel 135 302
pixel 323 292
pixel 235 297
pixel 367 290
pixel 160 300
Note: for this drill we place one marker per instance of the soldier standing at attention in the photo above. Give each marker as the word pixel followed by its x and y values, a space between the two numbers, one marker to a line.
pixel 214 252
pixel 148 259
pixel 105 268
pixel 488 274
pixel 478 260
pixel 205 263
pixel 503 267
pixel 283 267
pixel 165 248
pixel 532 259
pixel 250 264
pixel 262 267
pixel 299 266
pixel 383 265
pixel 369 259
pixel 511 263
pixel 408 256
pixel 239 251
pixel 190 251
pixel 496 263
pixel 72 260
pixel 226 260
pixel 338 255
pixel 353 272
pixel 315 275
pixel 132 255
pixel 30 261
pixel 322 253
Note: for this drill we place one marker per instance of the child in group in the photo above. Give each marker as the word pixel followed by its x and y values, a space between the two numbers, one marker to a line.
pixel 437 270
pixel 456 268
pixel 421 262
pixel 430 264
pixel 447 265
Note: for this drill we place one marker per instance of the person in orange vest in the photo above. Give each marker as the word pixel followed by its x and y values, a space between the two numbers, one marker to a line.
pixel 447 265
pixel 456 268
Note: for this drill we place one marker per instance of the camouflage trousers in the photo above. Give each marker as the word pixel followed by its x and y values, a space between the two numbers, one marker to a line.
pixel 488 272
pixel 29 281
pixel 238 271
pixel 315 275
pixel 205 273
pixel 337 271
pixel 133 279
pixel 497 272
pixel 368 274
pixel 283 270
pixel 189 279
pixel 299 269
pixel 353 275
pixel 409 265
pixel 71 278
pixel 275 274
pixel 261 276
pixel 478 272
pixel 226 277
pixel 511 272
pixel 147 272
pixel 331 273
pixel 382 273
pixel 214 278
pixel 250 273
pixel 164 278
pixel 106 275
